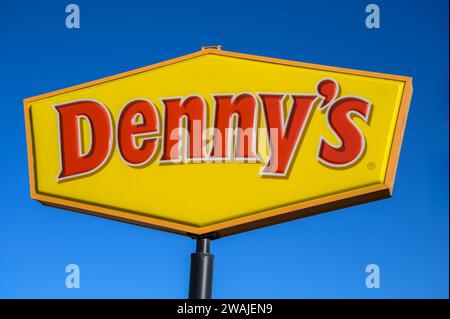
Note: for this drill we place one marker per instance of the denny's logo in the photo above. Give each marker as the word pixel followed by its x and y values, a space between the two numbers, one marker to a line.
pixel 182 145
pixel 138 130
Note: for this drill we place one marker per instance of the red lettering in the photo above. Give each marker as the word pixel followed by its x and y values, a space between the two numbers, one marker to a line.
pixel 138 119
pixel 73 162
pixel 235 124
pixel 352 142
pixel 244 106
pixel 284 136
pixel 193 110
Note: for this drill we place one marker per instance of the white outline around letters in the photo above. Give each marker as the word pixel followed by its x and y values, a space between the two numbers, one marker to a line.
pixel 110 143
pixel 149 136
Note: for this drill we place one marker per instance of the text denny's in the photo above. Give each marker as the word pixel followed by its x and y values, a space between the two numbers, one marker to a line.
pixel 139 130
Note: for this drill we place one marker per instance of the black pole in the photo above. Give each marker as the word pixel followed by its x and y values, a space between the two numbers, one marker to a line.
pixel 202 263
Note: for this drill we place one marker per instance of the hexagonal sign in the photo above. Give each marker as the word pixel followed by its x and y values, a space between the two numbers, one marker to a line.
pixel 215 143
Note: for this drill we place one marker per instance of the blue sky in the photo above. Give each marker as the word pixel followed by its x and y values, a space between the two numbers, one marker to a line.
pixel 318 257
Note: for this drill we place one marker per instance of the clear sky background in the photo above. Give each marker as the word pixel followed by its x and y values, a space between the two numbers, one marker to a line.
pixel 318 257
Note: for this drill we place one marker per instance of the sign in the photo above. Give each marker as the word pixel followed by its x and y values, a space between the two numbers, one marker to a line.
pixel 217 142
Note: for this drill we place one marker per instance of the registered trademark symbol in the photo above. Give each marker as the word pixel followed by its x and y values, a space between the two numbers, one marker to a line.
pixel 371 165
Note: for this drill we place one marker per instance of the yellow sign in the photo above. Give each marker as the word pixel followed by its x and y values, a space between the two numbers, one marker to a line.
pixel 217 142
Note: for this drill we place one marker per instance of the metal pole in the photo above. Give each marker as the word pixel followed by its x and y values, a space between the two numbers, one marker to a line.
pixel 202 263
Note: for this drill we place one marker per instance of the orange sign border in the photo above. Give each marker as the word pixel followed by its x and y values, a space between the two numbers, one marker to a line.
pixel 262 219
